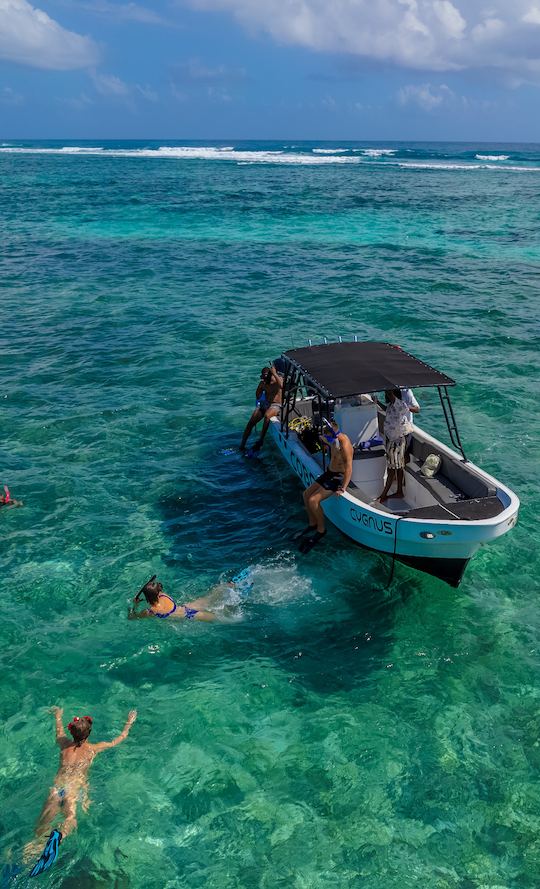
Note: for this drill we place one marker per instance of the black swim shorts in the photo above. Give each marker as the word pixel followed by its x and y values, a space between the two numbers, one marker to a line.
pixel 330 481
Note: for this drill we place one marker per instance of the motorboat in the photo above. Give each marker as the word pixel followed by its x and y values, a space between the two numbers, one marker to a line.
pixel 444 517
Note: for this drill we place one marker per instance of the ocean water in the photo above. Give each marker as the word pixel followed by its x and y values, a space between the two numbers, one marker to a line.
pixel 339 731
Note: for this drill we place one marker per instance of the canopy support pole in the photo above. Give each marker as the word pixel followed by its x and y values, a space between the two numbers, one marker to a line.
pixel 285 411
pixel 321 428
pixel 450 420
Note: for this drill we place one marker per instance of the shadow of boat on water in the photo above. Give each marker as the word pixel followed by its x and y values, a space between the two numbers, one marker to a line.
pixel 326 618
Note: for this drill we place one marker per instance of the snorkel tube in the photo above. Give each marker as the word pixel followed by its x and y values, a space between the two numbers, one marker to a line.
pixel 7 498
pixel 137 598
pixel 333 436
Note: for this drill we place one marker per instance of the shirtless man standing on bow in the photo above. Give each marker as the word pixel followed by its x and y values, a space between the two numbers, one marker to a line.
pixel 335 480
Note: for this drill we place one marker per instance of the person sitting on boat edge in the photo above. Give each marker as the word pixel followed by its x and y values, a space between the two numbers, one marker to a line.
pixel 269 397
pixel 396 429
pixel 334 480
pixel 71 783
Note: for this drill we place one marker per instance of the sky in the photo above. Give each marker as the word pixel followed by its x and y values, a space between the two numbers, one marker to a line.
pixel 463 70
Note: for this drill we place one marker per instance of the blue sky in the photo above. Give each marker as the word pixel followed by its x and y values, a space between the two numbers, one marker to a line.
pixel 263 69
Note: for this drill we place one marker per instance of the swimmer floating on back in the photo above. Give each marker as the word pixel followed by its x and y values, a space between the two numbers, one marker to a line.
pixel 162 605
pixel 7 500
pixel 70 784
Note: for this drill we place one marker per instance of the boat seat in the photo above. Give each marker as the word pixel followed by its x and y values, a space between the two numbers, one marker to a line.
pixel 439 486
pixel 466 510
pixel 452 474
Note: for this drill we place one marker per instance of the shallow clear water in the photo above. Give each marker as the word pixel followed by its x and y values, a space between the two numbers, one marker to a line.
pixel 338 732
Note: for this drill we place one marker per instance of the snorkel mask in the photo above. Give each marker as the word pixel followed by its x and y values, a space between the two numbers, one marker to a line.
pixel 141 591
pixel 78 719
pixel 332 437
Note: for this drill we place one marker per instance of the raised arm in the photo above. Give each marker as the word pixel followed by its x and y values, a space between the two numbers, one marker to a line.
pixel 61 737
pixel 104 745
pixel 276 377
pixel 59 725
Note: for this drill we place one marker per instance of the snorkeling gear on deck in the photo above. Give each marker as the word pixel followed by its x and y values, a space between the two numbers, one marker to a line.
pixel 49 854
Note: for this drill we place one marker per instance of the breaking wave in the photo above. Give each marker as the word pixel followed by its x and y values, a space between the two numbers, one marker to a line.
pixel 418 165
pixel 376 152
pixel 308 156
pixel 330 150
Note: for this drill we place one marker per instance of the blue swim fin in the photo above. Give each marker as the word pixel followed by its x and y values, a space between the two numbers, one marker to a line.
pixel 49 854
pixel 243 580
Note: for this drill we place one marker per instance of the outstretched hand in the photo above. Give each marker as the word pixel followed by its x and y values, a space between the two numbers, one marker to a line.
pixel 58 711
pixel 132 716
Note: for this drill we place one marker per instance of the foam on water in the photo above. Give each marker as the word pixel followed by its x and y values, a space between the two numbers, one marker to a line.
pixel 376 152
pixel 313 157
pixel 438 165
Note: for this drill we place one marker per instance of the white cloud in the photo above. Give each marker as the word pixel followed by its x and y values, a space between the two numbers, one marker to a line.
pixel 29 36
pixel 532 16
pixel 425 96
pixel 449 17
pixel 110 85
pixel 122 12
pixel 146 92
pixel 195 78
pixel 113 87
pixel 430 35
pixel 195 71
pixel 79 103
pixel 9 96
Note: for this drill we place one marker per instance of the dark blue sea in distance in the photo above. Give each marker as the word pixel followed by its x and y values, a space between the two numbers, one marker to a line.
pixel 338 732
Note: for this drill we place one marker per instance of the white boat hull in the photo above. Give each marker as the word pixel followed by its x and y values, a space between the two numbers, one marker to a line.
pixel 442 548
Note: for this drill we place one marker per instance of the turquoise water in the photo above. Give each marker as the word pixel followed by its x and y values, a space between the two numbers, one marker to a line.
pixel 338 732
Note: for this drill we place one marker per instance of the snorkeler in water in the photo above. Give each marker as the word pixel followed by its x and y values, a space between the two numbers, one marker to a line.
pixel 7 500
pixel 71 783
pixel 162 605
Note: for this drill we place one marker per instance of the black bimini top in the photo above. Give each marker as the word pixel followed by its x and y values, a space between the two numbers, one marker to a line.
pixel 339 370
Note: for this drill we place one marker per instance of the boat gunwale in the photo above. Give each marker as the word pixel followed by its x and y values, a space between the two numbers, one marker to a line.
pixel 500 518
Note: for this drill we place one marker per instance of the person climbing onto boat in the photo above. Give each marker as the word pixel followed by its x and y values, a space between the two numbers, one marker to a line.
pixel 70 784
pixel 7 500
pixel 162 605
pixel 333 481
pixel 396 429
pixel 269 396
